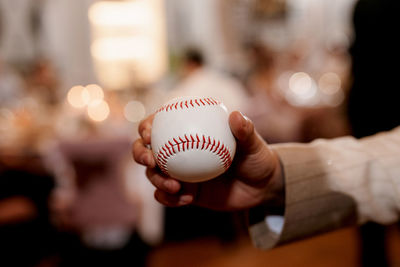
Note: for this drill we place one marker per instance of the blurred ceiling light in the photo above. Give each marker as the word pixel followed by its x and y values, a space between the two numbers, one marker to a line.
pixel 98 110
pixel 78 96
pixel 95 92
pixel 329 83
pixel 134 111
pixel 128 42
pixel 119 13
pixel 121 48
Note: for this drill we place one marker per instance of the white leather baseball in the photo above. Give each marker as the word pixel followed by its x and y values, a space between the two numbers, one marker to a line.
pixel 191 139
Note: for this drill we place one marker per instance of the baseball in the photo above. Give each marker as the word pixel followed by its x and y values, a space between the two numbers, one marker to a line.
pixel 191 139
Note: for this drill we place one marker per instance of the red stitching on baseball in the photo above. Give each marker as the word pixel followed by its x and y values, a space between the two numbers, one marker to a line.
pixel 218 148
pixel 193 141
pixel 192 103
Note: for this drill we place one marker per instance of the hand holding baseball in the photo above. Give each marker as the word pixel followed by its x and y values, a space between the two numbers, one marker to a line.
pixel 254 177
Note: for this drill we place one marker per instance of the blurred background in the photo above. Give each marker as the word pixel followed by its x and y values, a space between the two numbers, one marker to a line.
pixel 77 76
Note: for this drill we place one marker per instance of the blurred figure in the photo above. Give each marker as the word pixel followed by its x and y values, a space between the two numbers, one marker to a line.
pixel 90 203
pixel 274 118
pixel 43 82
pixel 374 96
pixel 261 73
pixel 199 80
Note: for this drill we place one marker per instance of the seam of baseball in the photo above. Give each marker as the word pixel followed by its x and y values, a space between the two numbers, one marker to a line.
pixel 188 142
pixel 190 103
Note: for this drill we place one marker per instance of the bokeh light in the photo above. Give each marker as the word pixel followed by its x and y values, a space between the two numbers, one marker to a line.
pixel 302 90
pixel 98 110
pixel 300 83
pixel 134 111
pixel 78 96
pixel 121 48
pixel 95 92
pixel 119 13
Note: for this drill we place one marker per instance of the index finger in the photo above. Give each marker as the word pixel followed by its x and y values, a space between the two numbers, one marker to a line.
pixel 145 128
pixel 142 154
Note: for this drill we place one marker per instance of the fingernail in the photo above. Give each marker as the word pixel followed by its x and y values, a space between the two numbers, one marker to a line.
pixel 246 120
pixel 243 119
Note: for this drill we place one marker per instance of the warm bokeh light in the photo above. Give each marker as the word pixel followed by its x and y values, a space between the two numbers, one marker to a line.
pixel 121 48
pixel 78 96
pixel 134 111
pixel 302 90
pixel 111 13
pixel 300 83
pixel 98 110
pixel 95 92
pixel 128 42
pixel 329 83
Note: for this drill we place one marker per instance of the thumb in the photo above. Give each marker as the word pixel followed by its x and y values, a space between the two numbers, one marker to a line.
pixel 246 136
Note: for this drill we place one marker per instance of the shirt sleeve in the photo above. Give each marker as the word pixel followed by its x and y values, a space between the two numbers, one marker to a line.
pixel 331 184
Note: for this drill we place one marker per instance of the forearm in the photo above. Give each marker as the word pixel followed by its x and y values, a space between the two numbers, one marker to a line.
pixel 330 184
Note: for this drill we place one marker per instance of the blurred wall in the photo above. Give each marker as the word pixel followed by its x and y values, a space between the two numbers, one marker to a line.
pixel 221 27
pixel 57 30
pixel 66 40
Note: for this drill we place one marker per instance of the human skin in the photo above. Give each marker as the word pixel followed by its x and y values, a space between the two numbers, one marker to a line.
pixel 254 178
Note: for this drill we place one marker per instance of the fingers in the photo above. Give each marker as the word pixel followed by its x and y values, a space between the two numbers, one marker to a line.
pixel 172 200
pixel 162 182
pixel 171 192
pixel 145 129
pixel 243 129
pixel 142 154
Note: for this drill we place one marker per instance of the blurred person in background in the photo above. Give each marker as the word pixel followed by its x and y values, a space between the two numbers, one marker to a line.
pixel 374 97
pixel 90 205
pixel 275 119
pixel 43 82
pixel 198 79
